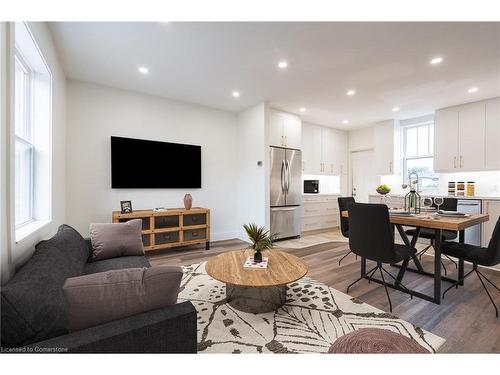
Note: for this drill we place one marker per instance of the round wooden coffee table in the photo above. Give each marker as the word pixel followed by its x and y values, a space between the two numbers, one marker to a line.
pixel 256 290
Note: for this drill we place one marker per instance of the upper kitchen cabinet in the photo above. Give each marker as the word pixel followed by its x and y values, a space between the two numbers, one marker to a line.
pixel 324 150
pixel 387 141
pixel 492 129
pixel 471 132
pixel 311 149
pixel 445 139
pixel 467 137
pixel 285 130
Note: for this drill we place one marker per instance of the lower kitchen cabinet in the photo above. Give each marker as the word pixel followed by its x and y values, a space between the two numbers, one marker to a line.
pixel 492 208
pixel 320 212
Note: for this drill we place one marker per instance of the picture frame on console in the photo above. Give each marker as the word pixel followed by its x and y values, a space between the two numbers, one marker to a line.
pixel 126 207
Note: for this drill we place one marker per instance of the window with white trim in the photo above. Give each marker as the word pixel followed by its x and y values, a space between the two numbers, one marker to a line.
pixel 418 141
pixel 23 142
pixel 32 128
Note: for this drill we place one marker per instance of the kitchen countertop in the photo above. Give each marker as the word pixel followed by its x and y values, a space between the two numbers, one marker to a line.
pixel 483 198
pixel 315 194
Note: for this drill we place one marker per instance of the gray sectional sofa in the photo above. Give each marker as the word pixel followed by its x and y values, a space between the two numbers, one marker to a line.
pixel 33 311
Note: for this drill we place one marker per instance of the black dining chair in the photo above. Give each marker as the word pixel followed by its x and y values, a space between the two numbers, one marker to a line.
pixel 344 203
pixel 478 256
pixel 449 204
pixel 371 236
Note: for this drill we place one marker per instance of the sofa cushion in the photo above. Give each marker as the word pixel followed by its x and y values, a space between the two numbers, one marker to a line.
pixel 103 297
pixel 111 240
pixel 71 243
pixel 116 264
pixel 33 306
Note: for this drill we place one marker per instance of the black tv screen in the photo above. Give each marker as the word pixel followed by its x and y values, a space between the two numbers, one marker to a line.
pixel 141 164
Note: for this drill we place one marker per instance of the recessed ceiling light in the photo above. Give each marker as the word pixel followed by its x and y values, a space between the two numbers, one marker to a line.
pixel 282 65
pixel 436 60
pixel 472 89
pixel 303 109
pixel 395 109
pixel 143 70
pixel 351 92
pixel 345 121
pixel 236 94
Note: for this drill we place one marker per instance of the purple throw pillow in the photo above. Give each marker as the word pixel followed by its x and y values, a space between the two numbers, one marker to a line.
pixel 116 239
pixel 106 296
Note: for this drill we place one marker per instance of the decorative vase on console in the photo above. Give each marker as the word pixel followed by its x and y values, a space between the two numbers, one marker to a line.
pixel 260 238
pixel 188 201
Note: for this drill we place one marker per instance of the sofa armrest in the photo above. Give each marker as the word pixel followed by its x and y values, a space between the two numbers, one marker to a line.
pixel 168 330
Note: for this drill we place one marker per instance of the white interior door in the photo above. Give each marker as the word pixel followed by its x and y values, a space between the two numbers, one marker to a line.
pixel 364 180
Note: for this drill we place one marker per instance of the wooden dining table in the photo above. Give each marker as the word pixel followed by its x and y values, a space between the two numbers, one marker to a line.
pixel 430 221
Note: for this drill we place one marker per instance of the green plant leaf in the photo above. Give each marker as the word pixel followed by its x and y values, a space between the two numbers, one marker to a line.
pixel 260 237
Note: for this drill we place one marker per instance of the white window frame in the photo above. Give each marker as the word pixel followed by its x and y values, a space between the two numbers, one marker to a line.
pixel 430 125
pixel 41 137
pixel 27 137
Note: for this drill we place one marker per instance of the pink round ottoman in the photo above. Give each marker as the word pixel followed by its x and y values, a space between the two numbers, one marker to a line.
pixel 375 340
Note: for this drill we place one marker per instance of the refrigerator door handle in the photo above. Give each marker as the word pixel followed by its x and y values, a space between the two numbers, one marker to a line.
pixel 287 173
pixel 283 176
pixel 291 208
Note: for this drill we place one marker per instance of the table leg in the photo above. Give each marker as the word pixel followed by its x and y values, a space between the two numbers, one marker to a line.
pixel 407 242
pixel 363 267
pixel 461 239
pixel 437 266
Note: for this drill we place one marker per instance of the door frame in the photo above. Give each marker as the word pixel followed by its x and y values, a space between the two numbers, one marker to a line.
pixel 351 173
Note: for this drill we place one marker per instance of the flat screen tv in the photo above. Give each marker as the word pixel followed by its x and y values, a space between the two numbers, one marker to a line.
pixel 142 164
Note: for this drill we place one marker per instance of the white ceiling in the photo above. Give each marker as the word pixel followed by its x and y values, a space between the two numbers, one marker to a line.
pixel 386 63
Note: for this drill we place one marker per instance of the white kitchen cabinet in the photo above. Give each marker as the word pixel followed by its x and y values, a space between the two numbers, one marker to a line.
pixel 467 137
pixel 446 140
pixel 387 146
pixel 311 152
pixel 285 130
pixel 324 151
pixel 320 211
pixel 471 126
pixel 492 208
pixel 492 134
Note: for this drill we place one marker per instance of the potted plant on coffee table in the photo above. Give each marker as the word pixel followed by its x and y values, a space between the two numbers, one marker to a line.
pixel 260 238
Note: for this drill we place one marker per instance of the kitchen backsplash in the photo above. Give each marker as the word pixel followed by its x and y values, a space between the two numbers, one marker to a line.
pixel 327 184
pixel 487 184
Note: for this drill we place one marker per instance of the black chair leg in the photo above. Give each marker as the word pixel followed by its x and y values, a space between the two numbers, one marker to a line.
pixel 423 252
pixel 341 259
pixel 487 292
pixel 371 275
pixel 458 282
pixel 399 282
pixel 455 263
pixel 488 280
pixel 385 287
pixel 444 267
pixel 359 279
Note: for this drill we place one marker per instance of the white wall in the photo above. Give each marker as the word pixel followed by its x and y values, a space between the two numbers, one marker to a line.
pixel 19 252
pixel 361 139
pixel 251 177
pixel 95 113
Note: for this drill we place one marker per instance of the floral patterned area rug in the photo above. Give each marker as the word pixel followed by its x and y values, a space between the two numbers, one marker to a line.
pixel 314 316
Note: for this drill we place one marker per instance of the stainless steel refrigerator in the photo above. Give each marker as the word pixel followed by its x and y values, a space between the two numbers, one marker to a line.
pixel 286 192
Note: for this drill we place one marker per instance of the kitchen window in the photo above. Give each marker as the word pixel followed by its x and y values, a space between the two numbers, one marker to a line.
pixel 32 128
pixel 418 141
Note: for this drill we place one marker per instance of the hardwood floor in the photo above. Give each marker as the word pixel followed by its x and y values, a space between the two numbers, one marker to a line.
pixel 466 318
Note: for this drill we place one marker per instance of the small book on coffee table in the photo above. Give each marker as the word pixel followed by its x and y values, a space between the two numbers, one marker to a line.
pixel 249 263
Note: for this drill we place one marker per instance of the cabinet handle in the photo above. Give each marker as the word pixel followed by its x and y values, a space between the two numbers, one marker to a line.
pixel 454 162
pixel 461 162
